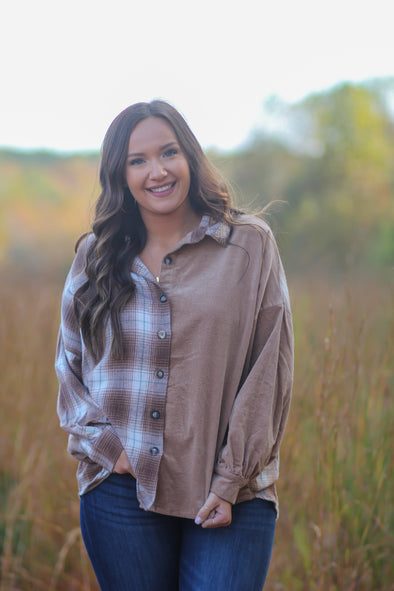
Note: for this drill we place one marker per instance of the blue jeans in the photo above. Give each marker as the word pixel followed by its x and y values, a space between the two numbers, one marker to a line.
pixel 136 550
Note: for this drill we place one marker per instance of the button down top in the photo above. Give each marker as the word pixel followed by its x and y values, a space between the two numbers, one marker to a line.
pixel 227 363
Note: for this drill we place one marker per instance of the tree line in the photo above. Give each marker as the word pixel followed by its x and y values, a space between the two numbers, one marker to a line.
pixel 326 169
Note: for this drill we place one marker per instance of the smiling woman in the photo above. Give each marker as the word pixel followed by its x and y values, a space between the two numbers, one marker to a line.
pixel 175 363
pixel 157 172
pixel 158 177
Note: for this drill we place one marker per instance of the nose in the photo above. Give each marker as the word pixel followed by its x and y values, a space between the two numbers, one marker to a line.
pixel 157 170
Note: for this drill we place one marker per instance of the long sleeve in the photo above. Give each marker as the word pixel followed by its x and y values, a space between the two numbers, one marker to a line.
pixel 91 436
pixel 260 409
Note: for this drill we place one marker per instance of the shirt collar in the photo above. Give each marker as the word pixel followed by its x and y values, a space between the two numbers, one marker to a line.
pixel 219 231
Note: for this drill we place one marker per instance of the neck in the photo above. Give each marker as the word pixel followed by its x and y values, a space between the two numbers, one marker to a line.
pixel 167 230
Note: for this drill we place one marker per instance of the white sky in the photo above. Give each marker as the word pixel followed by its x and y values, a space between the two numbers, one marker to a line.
pixel 68 68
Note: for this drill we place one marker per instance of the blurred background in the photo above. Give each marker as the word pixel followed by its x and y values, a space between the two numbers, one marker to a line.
pixel 294 103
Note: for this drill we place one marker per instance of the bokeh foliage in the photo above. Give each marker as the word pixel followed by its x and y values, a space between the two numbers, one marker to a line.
pixel 329 169
pixel 332 167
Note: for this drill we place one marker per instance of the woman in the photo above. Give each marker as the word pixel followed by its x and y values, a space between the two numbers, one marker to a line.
pixel 175 367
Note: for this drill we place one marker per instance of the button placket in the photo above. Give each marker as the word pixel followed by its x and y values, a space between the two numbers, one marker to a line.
pixel 155 411
pixel 156 316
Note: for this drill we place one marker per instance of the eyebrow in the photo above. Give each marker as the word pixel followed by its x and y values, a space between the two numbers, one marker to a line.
pixel 134 154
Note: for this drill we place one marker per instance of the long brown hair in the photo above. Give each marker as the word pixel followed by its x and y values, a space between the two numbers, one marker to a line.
pixel 119 233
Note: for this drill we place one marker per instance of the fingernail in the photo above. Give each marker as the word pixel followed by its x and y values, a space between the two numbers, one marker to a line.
pixel 198 520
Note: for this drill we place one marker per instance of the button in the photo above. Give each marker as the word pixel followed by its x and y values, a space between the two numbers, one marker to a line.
pixel 168 261
pixel 154 451
pixel 155 414
pixel 161 334
pixel 163 298
pixel 160 374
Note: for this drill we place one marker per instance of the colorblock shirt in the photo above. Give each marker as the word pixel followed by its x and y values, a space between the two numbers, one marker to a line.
pixel 200 400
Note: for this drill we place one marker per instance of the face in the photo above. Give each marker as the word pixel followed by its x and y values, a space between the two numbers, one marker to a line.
pixel 157 172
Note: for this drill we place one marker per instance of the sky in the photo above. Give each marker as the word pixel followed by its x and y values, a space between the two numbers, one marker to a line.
pixel 68 68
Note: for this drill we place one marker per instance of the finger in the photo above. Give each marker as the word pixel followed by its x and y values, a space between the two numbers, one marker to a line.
pixel 216 521
pixel 222 516
pixel 204 513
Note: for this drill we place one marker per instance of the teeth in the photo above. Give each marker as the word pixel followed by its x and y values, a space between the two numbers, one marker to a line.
pixel 160 189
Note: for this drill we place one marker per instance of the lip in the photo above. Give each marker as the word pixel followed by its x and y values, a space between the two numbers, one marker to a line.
pixel 162 190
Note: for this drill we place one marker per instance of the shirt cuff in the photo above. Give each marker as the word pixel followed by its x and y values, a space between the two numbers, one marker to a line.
pixel 109 447
pixel 227 486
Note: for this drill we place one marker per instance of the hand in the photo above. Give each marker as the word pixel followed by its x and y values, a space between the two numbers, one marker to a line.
pixel 215 512
pixel 123 465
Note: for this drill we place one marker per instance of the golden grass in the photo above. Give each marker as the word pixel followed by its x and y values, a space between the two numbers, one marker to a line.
pixel 336 522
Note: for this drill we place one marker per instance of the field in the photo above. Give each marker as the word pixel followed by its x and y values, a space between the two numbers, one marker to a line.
pixel 335 530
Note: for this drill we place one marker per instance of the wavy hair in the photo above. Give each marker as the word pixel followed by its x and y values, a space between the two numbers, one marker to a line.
pixel 119 233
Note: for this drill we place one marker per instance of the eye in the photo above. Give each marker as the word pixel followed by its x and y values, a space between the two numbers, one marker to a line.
pixel 136 161
pixel 170 152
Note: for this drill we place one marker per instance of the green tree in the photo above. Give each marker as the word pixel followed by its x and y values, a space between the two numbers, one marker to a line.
pixel 341 200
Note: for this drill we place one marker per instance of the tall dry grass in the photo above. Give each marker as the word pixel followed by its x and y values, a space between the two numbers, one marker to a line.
pixel 40 543
pixel 336 525
pixel 336 522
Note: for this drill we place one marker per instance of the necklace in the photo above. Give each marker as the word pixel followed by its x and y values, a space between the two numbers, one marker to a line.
pixel 152 263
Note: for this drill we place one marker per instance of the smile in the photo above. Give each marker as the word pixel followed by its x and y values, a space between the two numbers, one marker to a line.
pixel 163 189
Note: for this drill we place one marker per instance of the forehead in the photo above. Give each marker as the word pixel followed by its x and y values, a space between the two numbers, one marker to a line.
pixel 151 133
